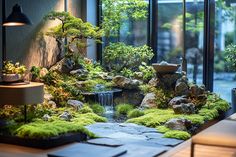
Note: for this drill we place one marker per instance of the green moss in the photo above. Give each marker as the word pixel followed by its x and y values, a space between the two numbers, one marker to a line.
pixel 123 109
pixel 182 135
pixel 215 102
pixel 135 113
pixel 42 129
pixel 156 117
pixel 85 109
pixel 208 114
pixel 98 109
pixel 162 129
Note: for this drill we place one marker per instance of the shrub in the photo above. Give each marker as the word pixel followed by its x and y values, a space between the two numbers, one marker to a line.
pixel 123 109
pixel 118 56
pixel 85 109
pixel 98 109
pixel 230 57
pixel 135 113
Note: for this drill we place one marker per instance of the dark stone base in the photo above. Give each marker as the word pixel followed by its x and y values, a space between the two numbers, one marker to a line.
pixel 44 143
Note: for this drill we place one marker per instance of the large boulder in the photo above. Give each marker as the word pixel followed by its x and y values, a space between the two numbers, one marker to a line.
pixel 197 90
pixel 149 101
pixel 183 108
pixel 126 83
pixel 77 105
pixel 65 65
pixel 178 100
pixel 133 97
pixel 80 73
pixel 181 88
pixel 165 81
pixel 178 124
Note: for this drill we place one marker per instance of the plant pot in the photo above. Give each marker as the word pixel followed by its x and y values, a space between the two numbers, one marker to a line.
pixel 11 77
pixel 233 96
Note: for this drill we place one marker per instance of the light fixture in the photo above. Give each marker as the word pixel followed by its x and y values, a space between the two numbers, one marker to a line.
pixel 16 18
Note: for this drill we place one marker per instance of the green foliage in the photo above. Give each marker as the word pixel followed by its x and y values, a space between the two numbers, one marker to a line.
pixel 43 130
pixel 115 12
pixel 123 109
pixel 118 56
pixel 89 85
pixel 230 56
pixel 182 135
pixel 10 112
pixel 208 114
pixel 217 103
pixel 147 71
pixel 10 68
pixel 135 113
pixel 98 109
pixel 74 29
pixel 85 109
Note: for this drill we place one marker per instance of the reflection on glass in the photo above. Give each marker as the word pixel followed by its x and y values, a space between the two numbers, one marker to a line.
pixel 225 34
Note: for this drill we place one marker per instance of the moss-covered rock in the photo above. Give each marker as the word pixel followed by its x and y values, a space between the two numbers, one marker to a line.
pixel 123 109
pixel 182 135
pixel 135 113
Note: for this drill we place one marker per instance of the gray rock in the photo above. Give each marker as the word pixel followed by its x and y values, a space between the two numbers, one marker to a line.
pixel 134 97
pixel 77 105
pixel 65 116
pixel 165 81
pixel 48 97
pixel 105 142
pixel 178 124
pixel 46 117
pixel 149 101
pixel 178 100
pixel 65 65
pixel 197 90
pixel 126 83
pixel 52 104
pixel 188 108
pixel 181 88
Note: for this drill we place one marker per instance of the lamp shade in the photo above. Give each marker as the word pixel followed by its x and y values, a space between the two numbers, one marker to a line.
pixel 17 18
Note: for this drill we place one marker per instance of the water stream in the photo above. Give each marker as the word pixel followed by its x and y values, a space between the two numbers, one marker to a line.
pixel 106 100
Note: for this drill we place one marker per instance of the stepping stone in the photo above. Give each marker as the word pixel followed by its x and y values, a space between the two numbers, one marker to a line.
pixel 153 135
pixel 105 142
pixel 122 135
pixel 142 151
pixel 166 141
pixel 88 150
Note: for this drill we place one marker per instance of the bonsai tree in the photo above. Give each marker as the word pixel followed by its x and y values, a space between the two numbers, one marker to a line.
pixel 74 30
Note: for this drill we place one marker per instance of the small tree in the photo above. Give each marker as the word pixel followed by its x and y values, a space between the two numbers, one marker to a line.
pixel 74 30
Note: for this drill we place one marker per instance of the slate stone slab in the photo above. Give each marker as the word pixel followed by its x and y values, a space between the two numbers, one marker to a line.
pixel 106 142
pixel 88 150
pixel 141 151
pixel 122 135
pixel 152 135
pixel 166 141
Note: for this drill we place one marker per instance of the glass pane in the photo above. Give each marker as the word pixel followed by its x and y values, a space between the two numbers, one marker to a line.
pixel 126 21
pixel 170 33
pixel 194 39
pixel 225 34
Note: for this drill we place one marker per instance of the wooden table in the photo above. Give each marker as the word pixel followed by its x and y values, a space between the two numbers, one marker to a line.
pixel 22 94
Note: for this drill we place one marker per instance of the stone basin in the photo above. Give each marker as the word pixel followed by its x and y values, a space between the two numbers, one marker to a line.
pixel 164 69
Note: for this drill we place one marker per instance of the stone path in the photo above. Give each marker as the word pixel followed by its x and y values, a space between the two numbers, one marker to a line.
pixel 120 139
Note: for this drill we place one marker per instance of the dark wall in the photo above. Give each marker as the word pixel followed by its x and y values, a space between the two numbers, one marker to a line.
pixel 27 44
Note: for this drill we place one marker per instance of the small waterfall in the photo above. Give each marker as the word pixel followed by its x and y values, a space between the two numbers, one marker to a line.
pixel 106 100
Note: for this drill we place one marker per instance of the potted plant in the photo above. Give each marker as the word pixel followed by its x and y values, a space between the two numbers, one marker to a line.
pixel 13 72
pixel 230 57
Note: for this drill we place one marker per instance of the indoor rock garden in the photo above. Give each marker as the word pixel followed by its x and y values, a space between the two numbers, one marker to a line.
pixel 125 93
